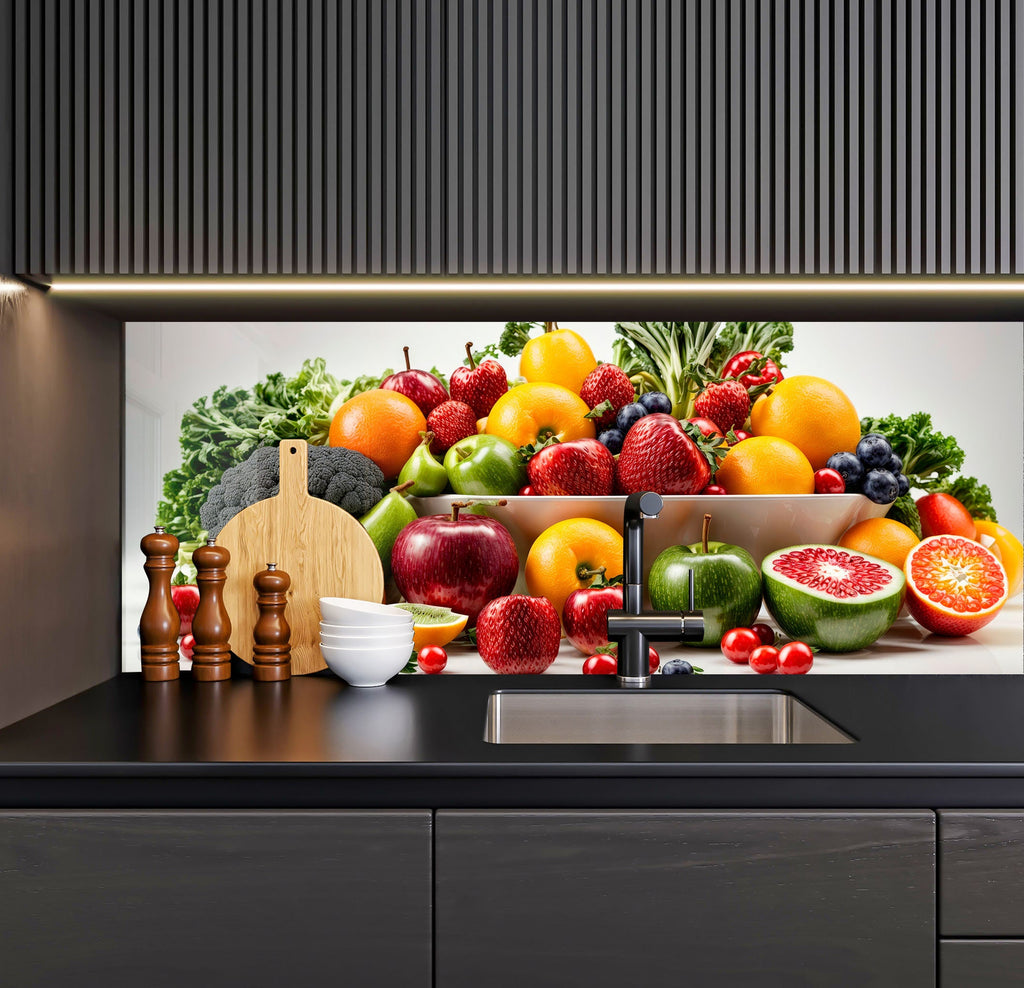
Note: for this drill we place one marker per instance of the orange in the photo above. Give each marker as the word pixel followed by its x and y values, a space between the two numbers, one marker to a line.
pixel 765 465
pixel 810 412
pixel 558 357
pixel 529 412
pixel 884 538
pixel 564 557
pixel 1011 552
pixel 383 425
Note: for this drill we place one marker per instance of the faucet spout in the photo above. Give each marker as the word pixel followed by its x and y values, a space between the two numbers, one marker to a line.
pixel 631 627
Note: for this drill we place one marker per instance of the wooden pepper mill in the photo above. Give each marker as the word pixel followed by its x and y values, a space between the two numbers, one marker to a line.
pixel 271 651
pixel 211 626
pixel 160 623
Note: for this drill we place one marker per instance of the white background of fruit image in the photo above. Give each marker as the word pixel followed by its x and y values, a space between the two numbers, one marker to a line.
pixel 970 376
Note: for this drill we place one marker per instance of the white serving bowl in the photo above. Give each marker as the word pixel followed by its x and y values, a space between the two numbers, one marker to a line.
pixel 761 523
pixel 327 628
pixel 360 666
pixel 367 641
pixel 344 610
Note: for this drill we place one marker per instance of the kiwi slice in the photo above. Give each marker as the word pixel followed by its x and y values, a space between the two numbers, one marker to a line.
pixel 428 613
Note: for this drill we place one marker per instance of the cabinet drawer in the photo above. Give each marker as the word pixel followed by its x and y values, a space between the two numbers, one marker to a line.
pixel 981 963
pixel 981 873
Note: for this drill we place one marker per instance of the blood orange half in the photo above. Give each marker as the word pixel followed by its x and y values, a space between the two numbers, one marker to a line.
pixel 954 585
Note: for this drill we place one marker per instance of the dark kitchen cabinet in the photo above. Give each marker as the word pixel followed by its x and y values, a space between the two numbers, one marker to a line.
pixel 981 963
pixel 981 864
pixel 604 898
pixel 309 137
pixel 254 898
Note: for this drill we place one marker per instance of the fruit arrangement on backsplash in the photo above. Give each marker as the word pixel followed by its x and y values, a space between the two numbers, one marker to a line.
pixel 495 505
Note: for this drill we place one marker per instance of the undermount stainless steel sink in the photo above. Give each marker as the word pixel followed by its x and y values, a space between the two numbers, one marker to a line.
pixel 655 717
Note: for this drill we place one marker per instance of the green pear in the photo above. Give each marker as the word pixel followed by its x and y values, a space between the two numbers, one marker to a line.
pixel 386 519
pixel 428 476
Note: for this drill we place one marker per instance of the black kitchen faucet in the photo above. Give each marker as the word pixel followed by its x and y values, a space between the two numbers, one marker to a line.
pixel 632 627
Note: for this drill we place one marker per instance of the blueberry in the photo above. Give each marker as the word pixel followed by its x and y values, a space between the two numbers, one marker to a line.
pixel 895 465
pixel 881 486
pixel 903 485
pixel 629 415
pixel 612 438
pixel 655 401
pixel 874 451
pixel 677 667
pixel 849 468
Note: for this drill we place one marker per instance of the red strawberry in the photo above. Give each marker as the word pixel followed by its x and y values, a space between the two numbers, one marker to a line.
pixel 478 386
pixel 606 382
pixel 186 600
pixel 726 404
pixel 450 422
pixel 585 616
pixel 660 455
pixel 518 634
pixel 578 468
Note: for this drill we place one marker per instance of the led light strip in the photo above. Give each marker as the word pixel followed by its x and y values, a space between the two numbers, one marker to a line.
pixel 533 286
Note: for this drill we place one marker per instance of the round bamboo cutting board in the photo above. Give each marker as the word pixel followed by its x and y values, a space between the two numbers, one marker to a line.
pixel 325 551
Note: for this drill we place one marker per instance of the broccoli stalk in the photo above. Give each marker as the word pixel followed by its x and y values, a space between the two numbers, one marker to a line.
pixel 770 339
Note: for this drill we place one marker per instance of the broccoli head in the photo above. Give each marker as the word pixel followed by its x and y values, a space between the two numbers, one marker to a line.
pixel 342 476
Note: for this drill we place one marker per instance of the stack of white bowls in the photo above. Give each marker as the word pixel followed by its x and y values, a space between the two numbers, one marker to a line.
pixel 362 642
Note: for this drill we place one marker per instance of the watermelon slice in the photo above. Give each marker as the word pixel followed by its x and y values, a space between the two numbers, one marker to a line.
pixel 831 598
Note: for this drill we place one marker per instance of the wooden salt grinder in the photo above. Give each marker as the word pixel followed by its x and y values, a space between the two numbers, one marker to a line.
pixel 211 627
pixel 271 651
pixel 159 624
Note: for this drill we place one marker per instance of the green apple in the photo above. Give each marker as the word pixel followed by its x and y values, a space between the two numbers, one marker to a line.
pixel 485 466
pixel 726 584
pixel 428 476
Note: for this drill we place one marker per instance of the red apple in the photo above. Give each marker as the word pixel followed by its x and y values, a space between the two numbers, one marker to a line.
pixel 421 387
pixel 460 561
pixel 479 386
pixel 585 616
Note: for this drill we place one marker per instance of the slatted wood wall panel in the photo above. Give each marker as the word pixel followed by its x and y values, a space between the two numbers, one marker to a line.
pixel 519 136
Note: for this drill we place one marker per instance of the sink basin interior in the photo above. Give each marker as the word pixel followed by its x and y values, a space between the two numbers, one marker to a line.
pixel 655 717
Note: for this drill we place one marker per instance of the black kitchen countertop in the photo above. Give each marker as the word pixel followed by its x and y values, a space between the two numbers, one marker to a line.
pixel 921 741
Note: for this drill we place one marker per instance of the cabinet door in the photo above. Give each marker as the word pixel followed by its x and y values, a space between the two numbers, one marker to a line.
pixel 727 898
pixel 245 898
pixel 981 963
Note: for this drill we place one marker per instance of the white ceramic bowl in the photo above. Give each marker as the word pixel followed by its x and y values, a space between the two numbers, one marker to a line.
pixel 360 666
pixel 367 631
pixel 367 641
pixel 344 610
pixel 761 523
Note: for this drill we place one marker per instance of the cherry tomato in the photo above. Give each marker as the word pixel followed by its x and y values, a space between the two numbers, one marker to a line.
pixel 526 491
pixel 653 659
pixel 432 659
pixel 714 489
pixel 738 643
pixel 829 481
pixel 188 644
pixel 599 665
pixel 739 363
pixel 707 427
pixel 795 658
pixel 764 632
pixel 764 659
pixel 741 434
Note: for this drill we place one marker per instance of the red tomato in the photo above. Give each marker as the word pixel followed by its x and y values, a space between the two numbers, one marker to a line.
pixel 707 427
pixel 432 659
pixel 739 363
pixel 764 659
pixel 795 658
pixel 738 643
pixel 943 514
pixel 764 632
pixel 526 491
pixel 829 481
pixel 714 489
pixel 653 659
pixel 599 665
pixel 741 434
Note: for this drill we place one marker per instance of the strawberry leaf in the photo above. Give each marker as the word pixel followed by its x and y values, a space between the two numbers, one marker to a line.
pixel 530 450
pixel 713 449
pixel 599 410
